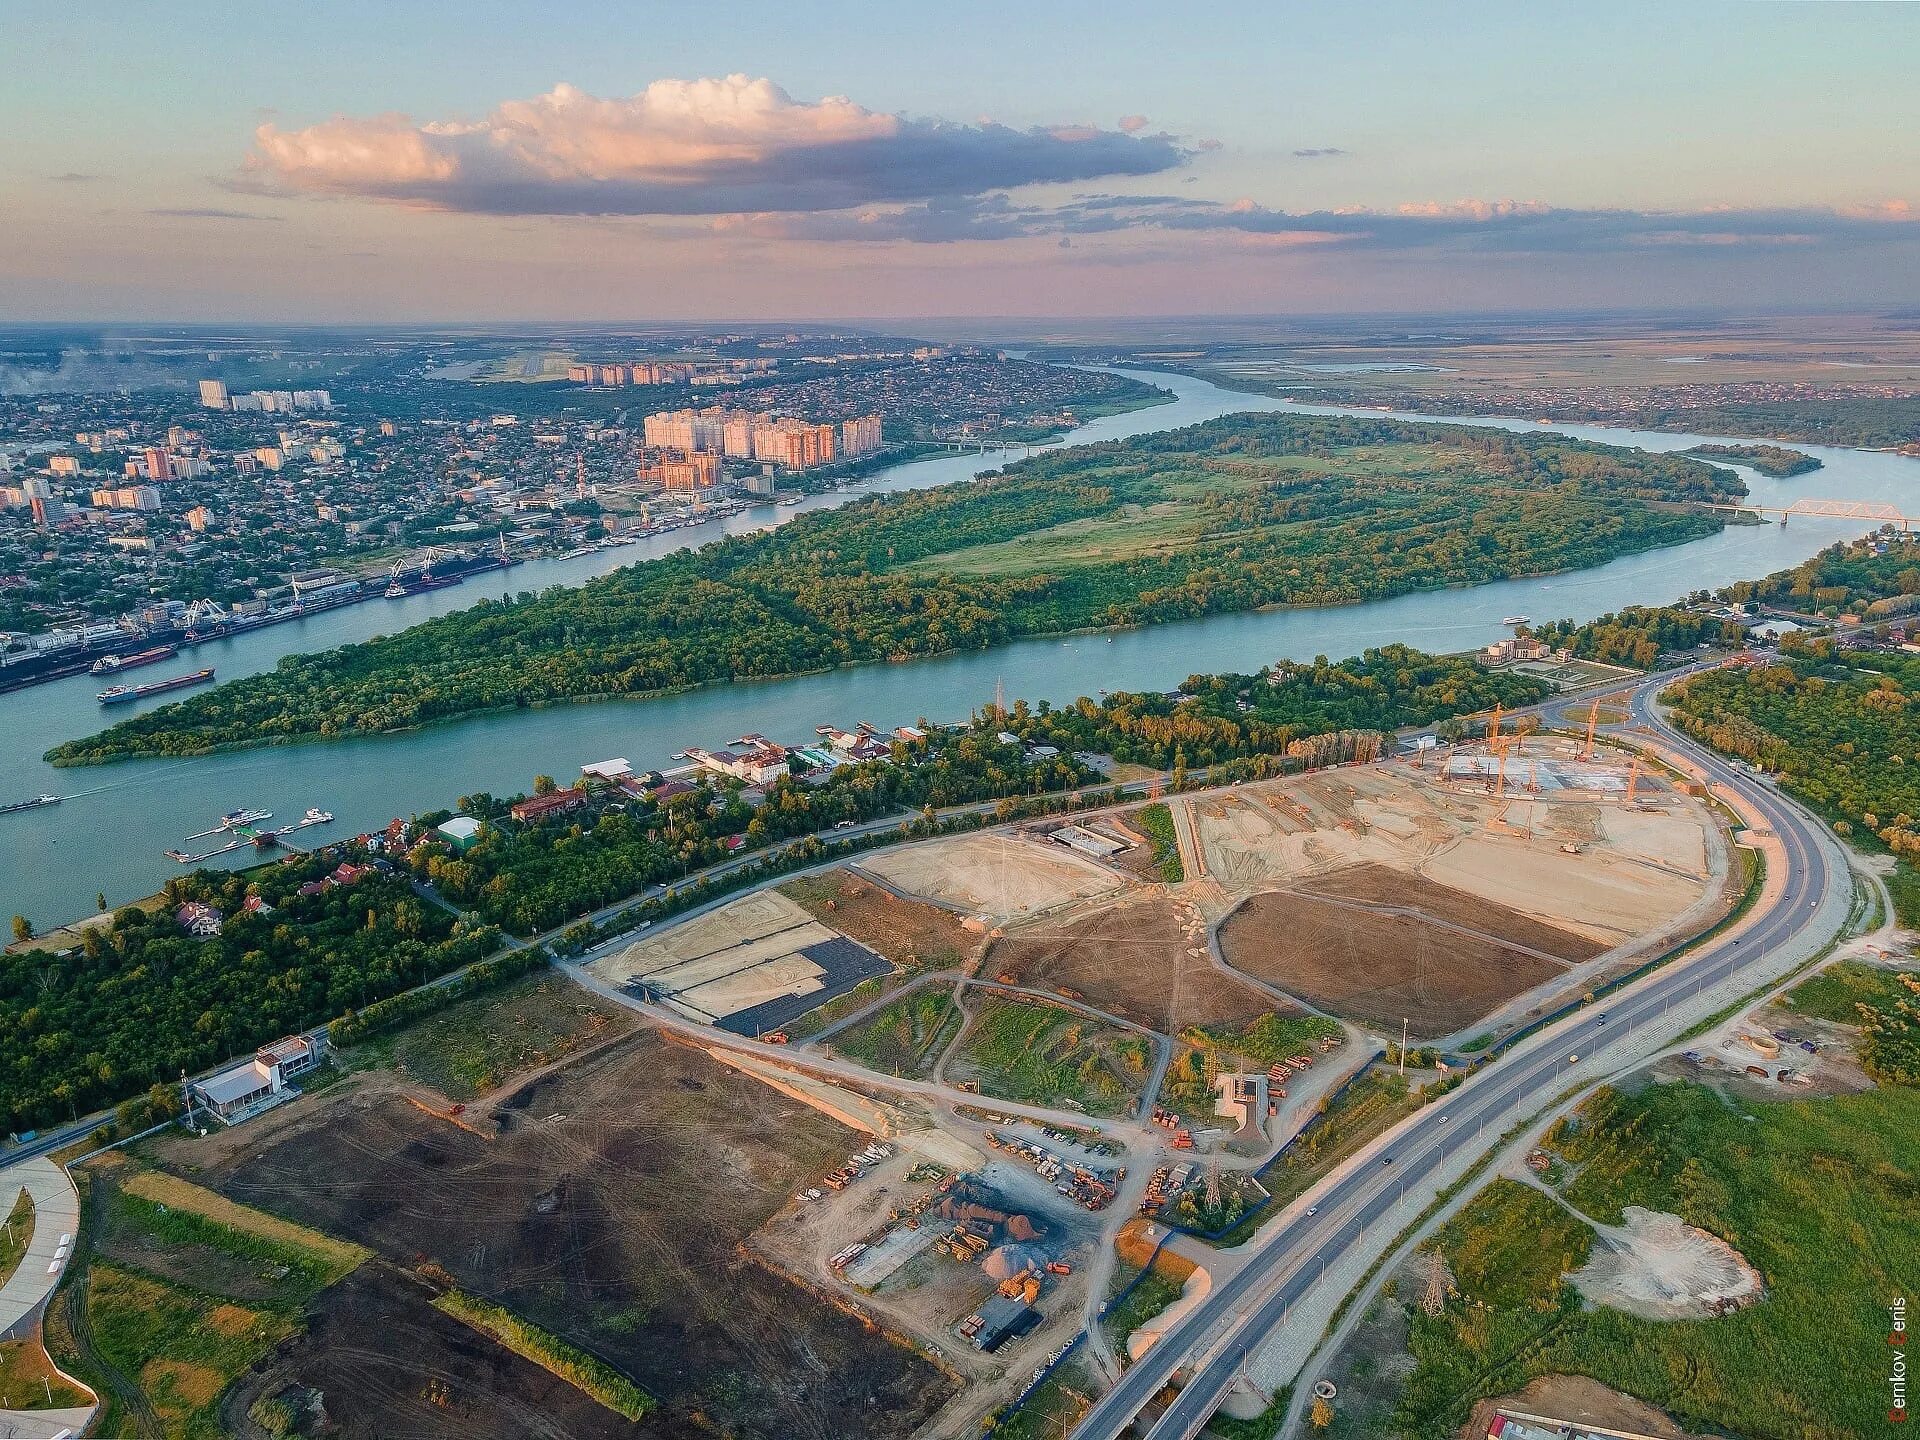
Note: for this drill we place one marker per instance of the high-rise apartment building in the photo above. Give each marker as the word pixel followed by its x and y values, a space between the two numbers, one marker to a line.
pixel 213 394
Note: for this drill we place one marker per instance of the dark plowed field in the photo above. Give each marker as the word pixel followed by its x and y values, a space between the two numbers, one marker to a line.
pixel 610 1209
pixel 384 1364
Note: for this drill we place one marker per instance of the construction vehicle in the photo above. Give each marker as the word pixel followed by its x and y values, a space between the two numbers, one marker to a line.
pixel 774 1037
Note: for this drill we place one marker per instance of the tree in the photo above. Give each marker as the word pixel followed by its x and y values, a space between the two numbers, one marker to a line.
pixel 544 785
pixel 100 901
pixel 1321 1414
pixel 22 928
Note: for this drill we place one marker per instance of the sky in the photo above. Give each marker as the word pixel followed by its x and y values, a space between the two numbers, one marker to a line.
pixel 351 161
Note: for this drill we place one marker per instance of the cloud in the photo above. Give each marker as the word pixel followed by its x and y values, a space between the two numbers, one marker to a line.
pixel 209 213
pixel 74 177
pixel 1132 124
pixel 685 147
pixel 1318 152
pixel 1470 225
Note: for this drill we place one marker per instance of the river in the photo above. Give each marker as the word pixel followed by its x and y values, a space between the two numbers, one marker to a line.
pixel 110 833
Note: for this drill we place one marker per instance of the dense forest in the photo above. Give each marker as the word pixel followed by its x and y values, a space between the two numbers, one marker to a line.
pixel 142 1000
pixel 1242 512
pixel 1774 461
pixel 1639 635
pixel 1878 576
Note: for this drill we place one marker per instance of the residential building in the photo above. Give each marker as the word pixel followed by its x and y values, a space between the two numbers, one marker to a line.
pixel 213 394
pixel 539 807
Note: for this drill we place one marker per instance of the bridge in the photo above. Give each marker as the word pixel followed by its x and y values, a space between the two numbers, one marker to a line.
pixel 1830 510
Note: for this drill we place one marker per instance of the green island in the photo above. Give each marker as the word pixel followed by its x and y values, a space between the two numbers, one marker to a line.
pixel 1776 462
pixel 1240 513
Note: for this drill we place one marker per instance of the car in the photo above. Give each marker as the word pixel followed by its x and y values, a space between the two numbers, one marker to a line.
pixel 844 825
pixel 1601 1018
pixel 1313 1209
pixel 1386 1159
pixel 1445 1118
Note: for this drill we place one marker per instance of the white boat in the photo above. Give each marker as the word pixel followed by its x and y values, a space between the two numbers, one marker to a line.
pixel 1517 620
pixel 317 816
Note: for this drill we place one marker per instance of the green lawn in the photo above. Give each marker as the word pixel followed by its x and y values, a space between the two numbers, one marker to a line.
pixel 1157 821
pixel 1838 992
pixel 905 1037
pixel 1043 1055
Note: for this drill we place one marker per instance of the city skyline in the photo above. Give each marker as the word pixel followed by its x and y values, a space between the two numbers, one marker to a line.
pixel 363 165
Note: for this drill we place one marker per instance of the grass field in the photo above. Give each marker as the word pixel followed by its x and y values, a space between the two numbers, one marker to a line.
pixel 1157 821
pixel 180 1346
pixel 1042 1055
pixel 1154 1293
pixel 550 1353
pixel 15 1235
pixel 1818 1195
pixel 906 1037
pixel 486 1040
pixel 1838 992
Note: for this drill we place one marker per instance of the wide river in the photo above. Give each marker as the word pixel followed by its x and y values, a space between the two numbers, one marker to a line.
pixel 110 833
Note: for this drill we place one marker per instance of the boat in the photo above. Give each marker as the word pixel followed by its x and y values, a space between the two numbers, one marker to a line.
pixel 110 664
pixel 34 804
pixel 1517 620
pixel 122 694
pixel 316 816
pixel 245 817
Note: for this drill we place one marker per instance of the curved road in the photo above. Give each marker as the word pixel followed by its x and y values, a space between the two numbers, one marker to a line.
pixel 1366 1196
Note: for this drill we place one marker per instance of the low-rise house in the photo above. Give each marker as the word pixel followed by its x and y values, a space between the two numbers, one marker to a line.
pixel 199 919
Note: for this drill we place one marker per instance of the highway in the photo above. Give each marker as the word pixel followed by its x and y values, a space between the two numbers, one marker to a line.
pixel 1368 1196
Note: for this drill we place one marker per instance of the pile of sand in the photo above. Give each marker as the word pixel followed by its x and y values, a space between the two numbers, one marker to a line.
pixel 1659 1267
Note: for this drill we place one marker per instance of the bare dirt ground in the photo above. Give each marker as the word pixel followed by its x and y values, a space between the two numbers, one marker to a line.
pixel 1376 969
pixel 1000 877
pixel 1748 1040
pixel 1582 1401
pixel 1142 957
pixel 1659 1267
pixel 611 1208
pixel 379 1361
pixel 1574 861
pixel 1380 885
pixel 908 933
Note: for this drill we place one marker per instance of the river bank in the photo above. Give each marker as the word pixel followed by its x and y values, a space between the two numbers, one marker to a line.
pixel 117 820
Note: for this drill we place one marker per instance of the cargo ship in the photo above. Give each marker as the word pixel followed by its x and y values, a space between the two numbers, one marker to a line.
pixel 123 694
pixel 110 664
pixel 33 804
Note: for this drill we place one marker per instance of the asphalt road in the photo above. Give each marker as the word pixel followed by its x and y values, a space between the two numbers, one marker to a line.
pixel 1370 1198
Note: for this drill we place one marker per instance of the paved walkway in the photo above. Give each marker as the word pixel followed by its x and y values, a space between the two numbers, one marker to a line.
pixel 43 1424
pixel 56 1212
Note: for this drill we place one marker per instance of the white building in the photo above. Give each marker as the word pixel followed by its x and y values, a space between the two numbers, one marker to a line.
pixel 233 1095
pixel 213 394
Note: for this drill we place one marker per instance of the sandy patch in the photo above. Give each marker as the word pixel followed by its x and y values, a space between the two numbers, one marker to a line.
pixel 1003 877
pixel 1659 1267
